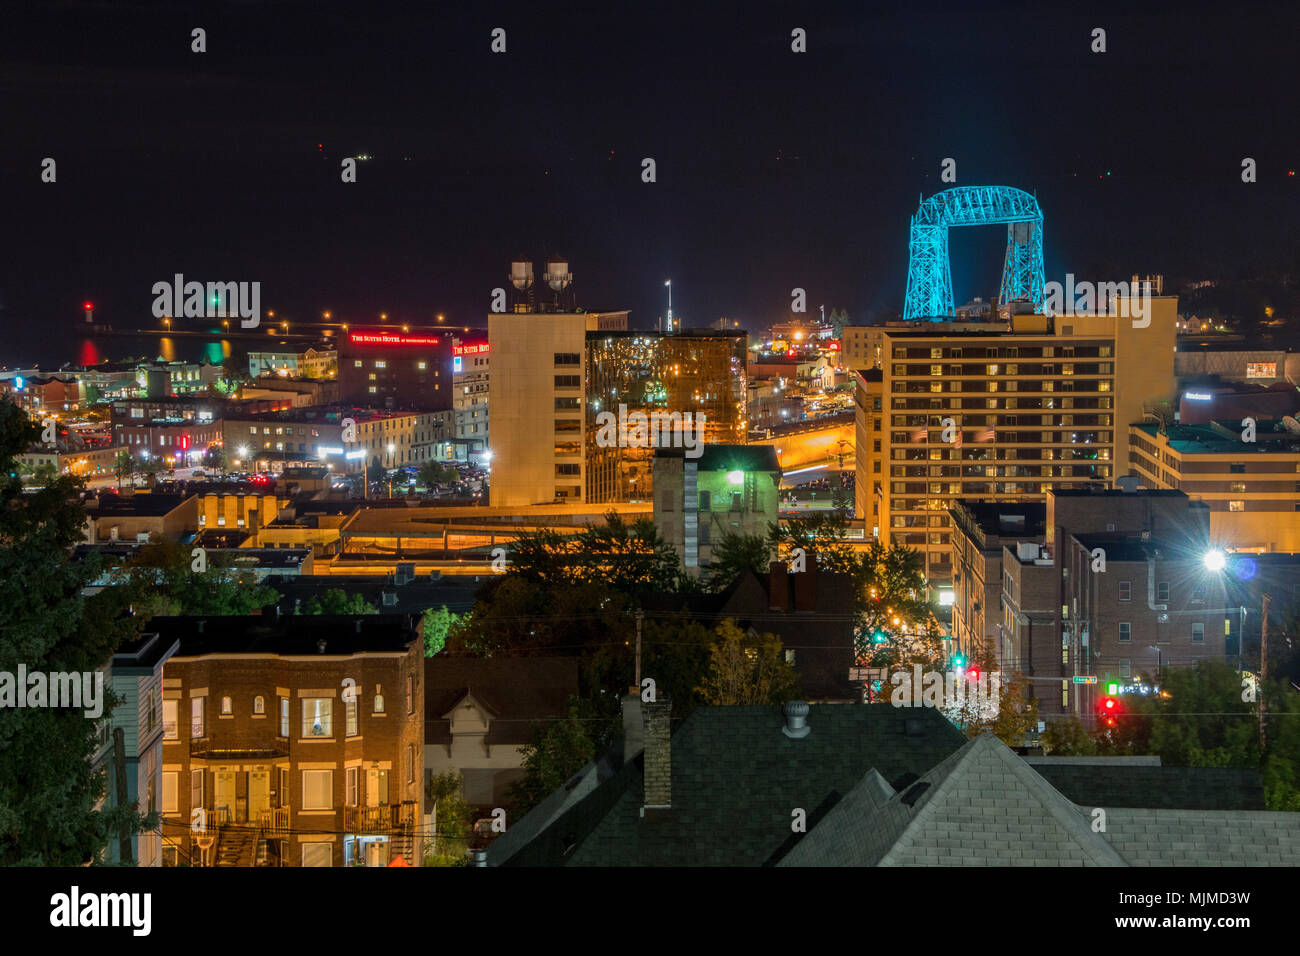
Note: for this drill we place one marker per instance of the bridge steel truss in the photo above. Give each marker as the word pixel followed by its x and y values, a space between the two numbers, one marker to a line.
pixel 929 273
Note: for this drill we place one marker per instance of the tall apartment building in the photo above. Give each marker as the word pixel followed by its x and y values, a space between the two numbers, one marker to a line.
pixel 1004 411
pixel 386 368
pixel 699 371
pixel 469 382
pixel 1252 488
pixel 294 742
pixel 536 396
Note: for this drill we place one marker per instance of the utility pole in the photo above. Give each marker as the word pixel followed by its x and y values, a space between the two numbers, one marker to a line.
pixel 640 616
pixel 1263 673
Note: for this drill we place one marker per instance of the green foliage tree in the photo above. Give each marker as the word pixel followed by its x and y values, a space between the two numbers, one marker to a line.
pixel 556 752
pixel 733 554
pixel 437 624
pixel 123 466
pixel 48 788
pixel 747 669
pixel 436 473
pixel 452 818
pixel 338 601
pixel 162 580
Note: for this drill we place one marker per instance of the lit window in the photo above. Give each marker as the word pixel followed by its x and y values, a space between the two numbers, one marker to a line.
pixel 317 714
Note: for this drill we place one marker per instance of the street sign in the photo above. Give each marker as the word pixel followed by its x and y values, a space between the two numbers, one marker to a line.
pixel 1091 679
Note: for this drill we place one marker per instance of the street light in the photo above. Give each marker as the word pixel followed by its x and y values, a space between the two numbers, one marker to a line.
pixel 1215 560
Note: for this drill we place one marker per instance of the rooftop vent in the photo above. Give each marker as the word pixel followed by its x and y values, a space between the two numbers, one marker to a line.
pixel 796 719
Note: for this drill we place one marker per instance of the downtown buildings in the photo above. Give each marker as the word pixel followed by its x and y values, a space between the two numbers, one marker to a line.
pixel 1003 412
pixel 556 377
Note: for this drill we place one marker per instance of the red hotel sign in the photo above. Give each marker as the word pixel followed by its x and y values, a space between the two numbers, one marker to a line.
pixel 480 349
pixel 388 338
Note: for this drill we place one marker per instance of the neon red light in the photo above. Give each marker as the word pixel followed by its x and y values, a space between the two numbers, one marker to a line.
pixel 385 338
pixel 480 349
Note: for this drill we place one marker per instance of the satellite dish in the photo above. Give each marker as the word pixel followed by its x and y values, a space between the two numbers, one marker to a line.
pixel 1290 424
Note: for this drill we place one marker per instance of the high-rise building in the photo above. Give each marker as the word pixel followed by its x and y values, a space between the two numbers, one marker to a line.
pixel 383 368
pixel 1004 412
pixel 469 382
pixel 1252 488
pixel 697 372
pixel 536 399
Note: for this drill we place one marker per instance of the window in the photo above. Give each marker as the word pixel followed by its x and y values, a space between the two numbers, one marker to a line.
pixel 318 854
pixel 567 404
pixel 350 717
pixel 379 699
pixel 1236 469
pixel 1198 632
pixel 316 717
pixel 357 363
pixel 284 716
pixel 1125 669
pixel 380 363
pixel 1237 487
pixel 1162 591
pixel 705 534
pixel 318 789
pixel 1126 590
pixel 196 716
pixel 568 381
pixel 410 693
pixel 196 789
pixel 170 796
pixel 706 501
pixel 568 358
pixel 1125 632
pixel 410 763
pixel 353 790
pixel 1236 506
pixel 169 720
pixel 227 707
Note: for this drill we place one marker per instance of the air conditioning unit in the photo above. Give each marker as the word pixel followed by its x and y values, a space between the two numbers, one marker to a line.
pixel 389 599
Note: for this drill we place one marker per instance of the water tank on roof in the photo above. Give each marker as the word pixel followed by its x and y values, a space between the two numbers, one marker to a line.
pixel 558 275
pixel 521 274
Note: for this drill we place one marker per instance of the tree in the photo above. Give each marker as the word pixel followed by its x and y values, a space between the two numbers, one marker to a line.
pixel 163 580
pixel 452 821
pixel 123 466
pixel 436 473
pixel 747 669
pixel 48 789
pixel 338 601
pixel 556 752
pixel 437 625
pixel 736 553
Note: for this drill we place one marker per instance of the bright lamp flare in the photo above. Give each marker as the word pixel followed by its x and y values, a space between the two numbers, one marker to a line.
pixel 1215 560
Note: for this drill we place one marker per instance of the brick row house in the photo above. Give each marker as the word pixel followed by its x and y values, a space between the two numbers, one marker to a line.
pixel 292 742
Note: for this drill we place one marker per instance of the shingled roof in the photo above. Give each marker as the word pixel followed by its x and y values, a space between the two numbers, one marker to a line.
pixel 736 781
pixel 519 692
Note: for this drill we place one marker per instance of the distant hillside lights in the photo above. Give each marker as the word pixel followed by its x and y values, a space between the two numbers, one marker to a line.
pixel 216 300
pixel 656 430
pixel 1120 299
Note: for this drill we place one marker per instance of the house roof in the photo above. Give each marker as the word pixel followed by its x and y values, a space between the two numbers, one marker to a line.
pixel 291 636
pixel 519 692
pixel 1155 788
pixel 984 806
pixel 736 779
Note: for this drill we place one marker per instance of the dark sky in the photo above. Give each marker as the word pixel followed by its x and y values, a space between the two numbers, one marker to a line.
pixel 774 169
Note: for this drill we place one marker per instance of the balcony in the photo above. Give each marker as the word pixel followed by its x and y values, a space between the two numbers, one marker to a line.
pixel 384 818
pixel 210 747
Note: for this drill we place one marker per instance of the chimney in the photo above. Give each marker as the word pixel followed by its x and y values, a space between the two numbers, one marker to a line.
pixel 658 773
pixel 778 586
pixel 320 646
pixel 805 587
pixel 200 625
pixel 633 725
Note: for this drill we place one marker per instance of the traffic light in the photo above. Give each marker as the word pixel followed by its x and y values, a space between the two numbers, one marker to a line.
pixel 958 660
pixel 879 637
pixel 975 672
pixel 1109 710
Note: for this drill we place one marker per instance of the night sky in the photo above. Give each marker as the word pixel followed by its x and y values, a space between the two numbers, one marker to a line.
pixel 775 169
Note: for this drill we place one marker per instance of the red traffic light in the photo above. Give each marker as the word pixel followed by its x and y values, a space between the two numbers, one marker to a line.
pixel 1110 703
pixel 87 306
